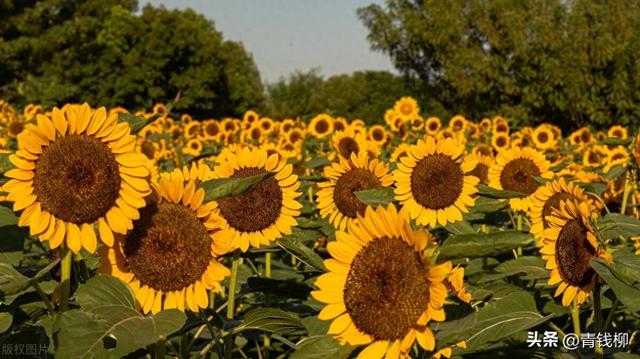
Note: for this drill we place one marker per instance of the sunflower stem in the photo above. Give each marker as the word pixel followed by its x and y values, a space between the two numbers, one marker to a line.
pixel 65 280
pixel 228 344
pixel 575 317
pixel 159 348
pixel 625 194
pixel 609 319
pixel 597 315
pixel 561 332
pixel 267 274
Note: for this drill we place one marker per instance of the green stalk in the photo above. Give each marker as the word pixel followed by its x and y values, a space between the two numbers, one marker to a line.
pixel 625 194
pixel 65 281
pixel 228 343
pixel 607 322
pixel 597 315
pixel 159 348
pixel 519 228
pixel 575 317
pixel 267 274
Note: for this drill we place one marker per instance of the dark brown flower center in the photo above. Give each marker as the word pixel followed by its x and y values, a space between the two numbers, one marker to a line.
pixel 347 146
pixel 387 289
pixel 357 179
pixel 77 179
pixel 481 171
pixel 518 175
pixel 552 203
pixel 585 136
pixel 148 149
pixel 15 127
pixel 322 126
pixel 168 248
pixel 543 137
pixel 378 135
pixel 212 129
pixel 501 141
pixel 255 134
pixel 338 126
pixel 433 125
pixel 436 181
pixel 574 253
pixel 501 127
pixel 294 136
pixel 256 208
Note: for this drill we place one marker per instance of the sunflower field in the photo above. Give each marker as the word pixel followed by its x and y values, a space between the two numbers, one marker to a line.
pixel 155 235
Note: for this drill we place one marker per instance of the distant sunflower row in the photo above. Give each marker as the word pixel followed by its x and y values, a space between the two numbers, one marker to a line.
pixel 80 180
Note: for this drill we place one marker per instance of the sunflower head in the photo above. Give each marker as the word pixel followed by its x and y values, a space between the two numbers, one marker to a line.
pixel 500 141
pixel 515 170
pixel 169 257
pixel 543 138
pixel 321 126
pixel 264 212
pixel 618 131
pixel 434 182
pixel 407 108
pixel 76 175
pixel 382 290
pixel 336 198
pixel 458 123
pixel 249 118
pixel 570 243
pixel 377 134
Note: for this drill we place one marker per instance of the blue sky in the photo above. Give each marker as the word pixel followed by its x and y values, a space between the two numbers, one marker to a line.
pixel 288 35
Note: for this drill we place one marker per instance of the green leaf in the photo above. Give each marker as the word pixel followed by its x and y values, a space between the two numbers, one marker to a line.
pixel 109 311
pixel 317 162
pixel 503 318
pixel 593 187
pixel 615 172
pixel 321 347
pixel 5 164
pixel 487 191
pixel 6 319
pixel 284 288
pixel 488 205
pixel 136 123
pixel 105 290
pixel 296 248
pixel 613 225
pixel 626 288
pixel 483 245
pixel 615 141
pixel 453 331
pixel 7 217
pixel 11 281
pixel 224 187
pixel 376 197
pixel 273 321
pixel 533 267
pixel 460 227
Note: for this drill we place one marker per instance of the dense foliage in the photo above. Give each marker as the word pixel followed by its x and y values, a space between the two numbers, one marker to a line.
pixel 571 62
pixel 59 51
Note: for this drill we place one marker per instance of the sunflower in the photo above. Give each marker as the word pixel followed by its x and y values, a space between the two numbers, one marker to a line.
pixel 617 131
pixel 337 200
pixel 500 141
pixel 618 156
pixel 249 118
pixel 340 124
pixel 434 182
pixel 482 150
pixel 390 118
pixel 585 135
pixel 570 243
pixel 76 174
pixel 295 135
pixel 186 118
pixel 211 129
pixel 636 149
pixel 264 212
pixel 377 134
pixel 267 124
pixel 500 124
pixel 594 156
pixel 400 151
pixel 432 125
pixel 193 148
pixel 382 289
pixel 346 142
pixel 458 123
pixel 286 126
pixel 406 108
pixel 321 126
pixel 253 134
pixel 192 130
pixel 169 257
pixel 548 198
pixel 485 124
pixel 515 169
pixel 230 126
pixel 15 126
pixel 543 137
pixel 482 167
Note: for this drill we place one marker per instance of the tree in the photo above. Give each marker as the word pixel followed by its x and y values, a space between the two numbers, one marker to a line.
pixel 362 94
pixel 567 62
pixel 102 52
